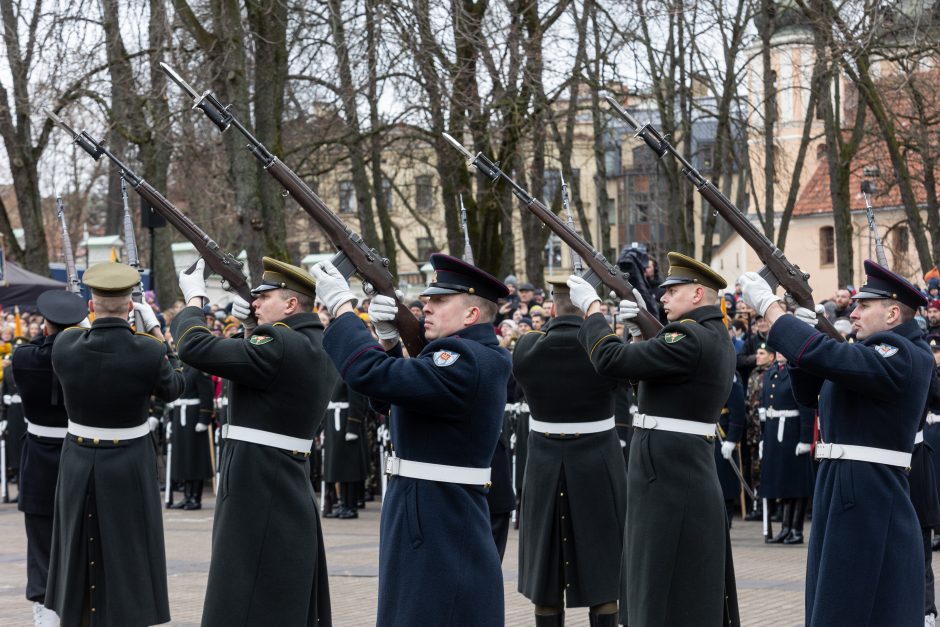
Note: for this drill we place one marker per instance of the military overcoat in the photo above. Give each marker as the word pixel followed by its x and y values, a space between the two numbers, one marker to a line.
pixel 107 537
pixel 344 460
pixel 438 563
pixel 784 474
pixel 574 494
pixel 191 457
pixel 44 403
pixel 268 561
pixel 677 567
pixel 15 417
pixel 865 564
pixel 732 426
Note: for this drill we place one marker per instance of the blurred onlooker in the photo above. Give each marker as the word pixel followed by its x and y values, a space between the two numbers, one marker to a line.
pixel 843 326
pixel 525 325
pixel 416 307
pixel 844 304
pixel 538 320
pixel 526 294
pixel 933 317
pixel 933 288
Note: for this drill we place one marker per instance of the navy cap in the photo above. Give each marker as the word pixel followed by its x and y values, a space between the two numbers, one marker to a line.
pixel 934 341
pixel 453 276
pixel 62 308
pixel 882 283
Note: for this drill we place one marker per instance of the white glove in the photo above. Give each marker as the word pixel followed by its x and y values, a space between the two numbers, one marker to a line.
pixel 153 423
pixel 194 284
pixel 756 292
pixel 241 309
pixel 760 450
pixel 200 427
pixel 3 426
pixel 727 448
pixel 802 448
pixel 583 293
pixel 351 437
pixel 332 288
pixel 628 312
pixel 85 323
pixel 623 444
pixel 809 317
pixel 147 317
pixel 382 312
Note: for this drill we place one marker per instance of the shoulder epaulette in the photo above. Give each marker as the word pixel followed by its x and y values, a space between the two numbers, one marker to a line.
pixel 148 335
pixel 75 327
pixel 684 320
pixel 280 324
pixel 534 331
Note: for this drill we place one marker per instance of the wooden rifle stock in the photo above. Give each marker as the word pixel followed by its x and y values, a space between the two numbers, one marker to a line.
pixel 354 255
pixel 777 270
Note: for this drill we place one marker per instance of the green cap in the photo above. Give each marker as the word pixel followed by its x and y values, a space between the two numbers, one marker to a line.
pixel 279 275
pixel 684 269
pixel 110 278
pixel 559 283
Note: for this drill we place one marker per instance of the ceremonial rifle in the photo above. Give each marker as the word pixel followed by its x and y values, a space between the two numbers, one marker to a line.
pixel 130 251
pixel 576 266
pixel 599 269
pixel 879 246
pixel 223 263
pixel 467 249
pixel 777 269
pixel 354 256
pixel 71 273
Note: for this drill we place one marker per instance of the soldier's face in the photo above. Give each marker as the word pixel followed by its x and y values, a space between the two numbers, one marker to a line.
pixel 679 300
pixel 270 307
pixel 764 357
pixel 872 316
pixel 445 314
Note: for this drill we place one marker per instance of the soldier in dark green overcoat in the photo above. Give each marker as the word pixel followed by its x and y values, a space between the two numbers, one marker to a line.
pixel 108 564
pixel 677 567
pixel 268 562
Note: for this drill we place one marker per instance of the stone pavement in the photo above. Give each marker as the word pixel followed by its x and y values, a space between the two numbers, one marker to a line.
pixel 770 578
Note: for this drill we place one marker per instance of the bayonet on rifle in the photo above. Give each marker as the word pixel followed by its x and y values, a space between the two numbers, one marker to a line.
pixel 223 263
pixel 879 246
pixel 777 268
pixel 130 252
pixel 576 265
pixel 467 249
pixel 354 256
pixel 71 273
pixel 599 269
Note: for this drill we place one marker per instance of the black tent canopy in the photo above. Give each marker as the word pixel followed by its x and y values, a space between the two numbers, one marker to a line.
pixel 22 287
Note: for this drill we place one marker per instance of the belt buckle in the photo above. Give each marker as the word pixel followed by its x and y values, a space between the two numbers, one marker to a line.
pixel 643 421
pixel 392 466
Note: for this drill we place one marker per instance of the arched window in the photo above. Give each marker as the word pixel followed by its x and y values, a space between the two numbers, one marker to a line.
pixel 827 246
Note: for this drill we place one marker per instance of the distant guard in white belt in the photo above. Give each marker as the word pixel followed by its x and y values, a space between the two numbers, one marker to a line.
pixel 866 555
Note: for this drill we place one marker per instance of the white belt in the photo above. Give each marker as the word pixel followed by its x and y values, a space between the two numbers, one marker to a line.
pixel 101 433
pixel 396 466
pixel 266 438
pixel 863 454
pixel 645 421
pixel 46 432
pixel 568 428
pixel 524 408
pixel 919 437
pixel 933 419
pixel 337 407
pixel 10 399
pixel 183 403
pixel 782 413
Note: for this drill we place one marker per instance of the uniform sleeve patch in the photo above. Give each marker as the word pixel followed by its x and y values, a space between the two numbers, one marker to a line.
pixel 886 350
pixel 673 337
pixel 258 340
pixel 445 358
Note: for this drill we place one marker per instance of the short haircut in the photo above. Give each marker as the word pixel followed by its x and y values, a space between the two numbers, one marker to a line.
pixel 488 308
pixel 304 301
pixel 564 306
pixel 711 294
pixel 907 312
pixel 110 306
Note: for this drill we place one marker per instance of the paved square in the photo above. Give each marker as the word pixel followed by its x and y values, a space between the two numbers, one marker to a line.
pixel 770 578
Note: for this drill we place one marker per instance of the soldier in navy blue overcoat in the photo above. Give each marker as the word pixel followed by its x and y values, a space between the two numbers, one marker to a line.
pixel 787 471
pixel 438 563
pixel 731 424
pixel 865 563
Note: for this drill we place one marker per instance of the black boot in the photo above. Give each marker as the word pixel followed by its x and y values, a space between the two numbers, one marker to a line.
pixel 602 620
pixel 550 620
pixel 785 523
pixel 796 522
pixel 195 495
pixel 182 502
pixel 330 506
